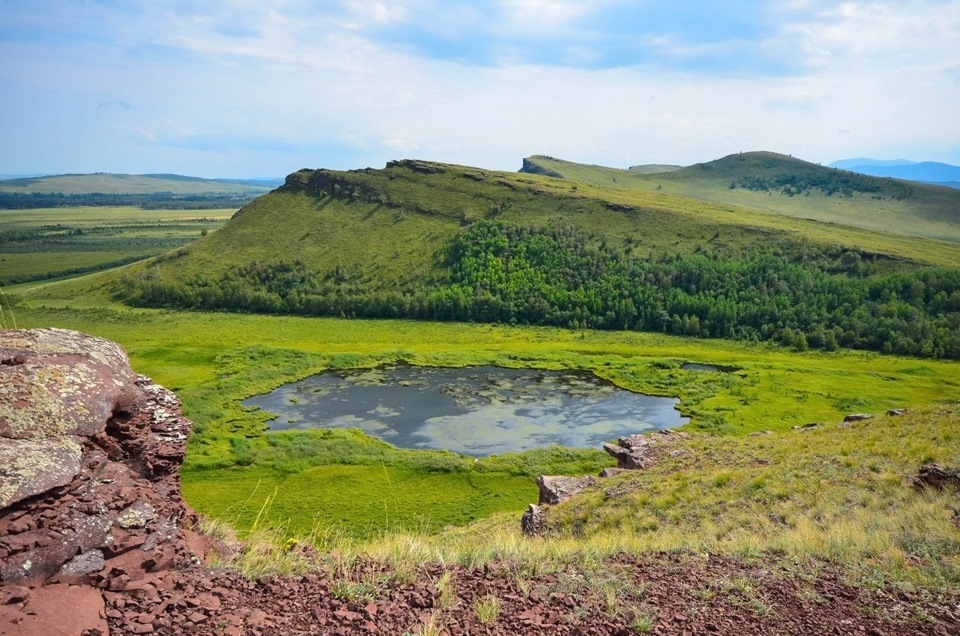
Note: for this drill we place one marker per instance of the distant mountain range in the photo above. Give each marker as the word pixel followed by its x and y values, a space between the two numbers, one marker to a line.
pixel 924 171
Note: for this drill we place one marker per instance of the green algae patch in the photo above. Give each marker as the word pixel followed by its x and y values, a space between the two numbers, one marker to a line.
pixel 357 501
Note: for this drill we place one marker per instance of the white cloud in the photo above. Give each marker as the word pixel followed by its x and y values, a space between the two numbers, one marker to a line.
pixel 366 12
pixel 294 86
pixel 530 15
pixel 918 31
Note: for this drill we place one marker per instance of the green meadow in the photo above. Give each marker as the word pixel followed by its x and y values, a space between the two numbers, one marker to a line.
pixel 307 481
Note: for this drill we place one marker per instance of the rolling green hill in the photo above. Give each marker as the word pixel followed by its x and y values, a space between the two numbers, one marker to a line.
pixel 384 227
pixel 108 183
pixel 441 242
pixel 788 186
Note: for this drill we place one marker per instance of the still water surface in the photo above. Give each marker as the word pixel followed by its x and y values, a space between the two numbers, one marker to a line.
pixel 476 411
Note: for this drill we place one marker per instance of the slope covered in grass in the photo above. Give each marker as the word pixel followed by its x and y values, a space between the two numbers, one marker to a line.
pixel 790 186
pixel 840 492
pixel 800 501
pixel 386 226
pixel 431 241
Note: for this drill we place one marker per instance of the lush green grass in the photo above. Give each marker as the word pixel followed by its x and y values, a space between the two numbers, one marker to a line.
pixel 209 360
pixel 361 501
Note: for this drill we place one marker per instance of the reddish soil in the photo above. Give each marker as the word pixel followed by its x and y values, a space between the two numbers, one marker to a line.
pixel 678 595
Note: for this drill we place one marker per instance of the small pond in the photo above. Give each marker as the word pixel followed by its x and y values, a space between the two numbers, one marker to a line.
pixel 476 411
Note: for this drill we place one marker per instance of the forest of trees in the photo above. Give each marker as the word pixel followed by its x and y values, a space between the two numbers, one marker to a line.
pixel 816 297
pixel 829 183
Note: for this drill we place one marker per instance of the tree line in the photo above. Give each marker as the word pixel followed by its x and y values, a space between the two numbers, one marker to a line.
pixel 154 201
pixel 828 182
pixel 816 297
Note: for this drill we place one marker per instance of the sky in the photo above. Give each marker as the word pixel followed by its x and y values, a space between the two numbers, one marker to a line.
pixel 252 88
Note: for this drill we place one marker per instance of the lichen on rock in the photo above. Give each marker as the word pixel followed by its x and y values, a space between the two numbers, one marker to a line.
pixel 89 481
pixel 136 516
pixel 55 382
pixel 33 466
pixel 56 387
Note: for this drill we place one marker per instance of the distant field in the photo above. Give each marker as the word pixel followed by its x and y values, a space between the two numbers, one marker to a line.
pixel 17 266
pixel 47 243
pixel 103 216
pixel 106 183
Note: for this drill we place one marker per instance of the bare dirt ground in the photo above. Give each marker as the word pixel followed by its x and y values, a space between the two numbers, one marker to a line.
pixel 656 594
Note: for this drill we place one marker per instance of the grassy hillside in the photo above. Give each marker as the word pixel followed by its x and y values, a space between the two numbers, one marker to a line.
pixel 426 240
pixel 108 183
pixel 789 186
pixel 386 225
pixel 654 168
pixel 368 243
pixel 837 495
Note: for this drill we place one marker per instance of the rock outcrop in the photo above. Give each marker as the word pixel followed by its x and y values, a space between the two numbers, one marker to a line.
pixel 639 452
pixel 556 489
pixel 56 388
pixel 632 452
pixel 90 490
pixel 531 167
pixel 937 477
pixel 533 522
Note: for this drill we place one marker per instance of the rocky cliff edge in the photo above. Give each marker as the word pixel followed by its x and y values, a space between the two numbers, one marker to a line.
pixel 90 498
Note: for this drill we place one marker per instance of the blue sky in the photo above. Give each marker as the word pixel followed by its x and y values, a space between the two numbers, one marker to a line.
pixel 243 88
